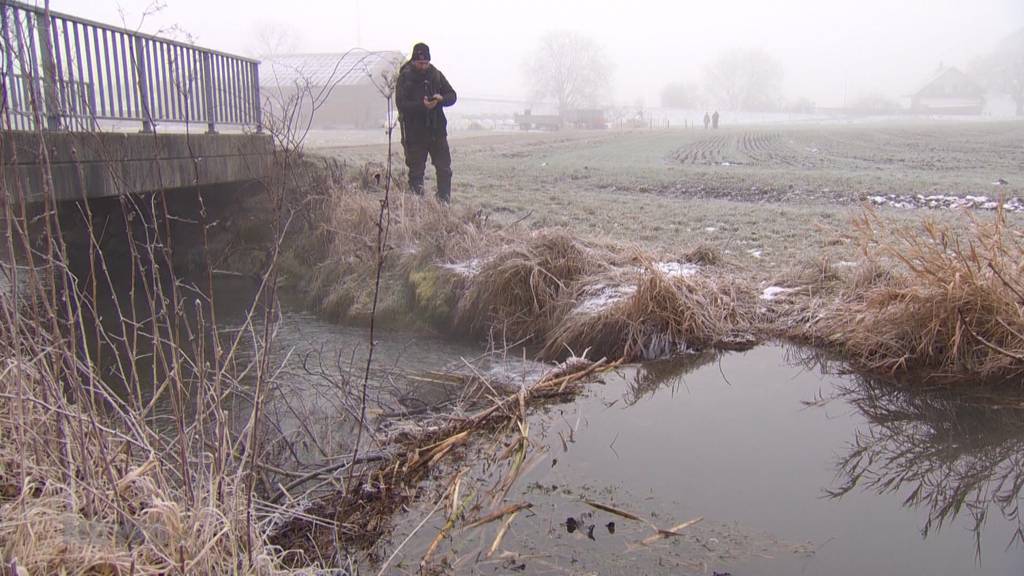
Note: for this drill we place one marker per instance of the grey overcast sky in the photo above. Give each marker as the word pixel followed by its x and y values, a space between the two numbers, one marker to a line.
pixel 829 49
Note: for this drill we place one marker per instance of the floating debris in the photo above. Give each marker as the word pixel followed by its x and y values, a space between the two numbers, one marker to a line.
pixel 571 524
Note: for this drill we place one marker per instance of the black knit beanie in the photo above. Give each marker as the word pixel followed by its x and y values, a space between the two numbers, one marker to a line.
pixel 420 52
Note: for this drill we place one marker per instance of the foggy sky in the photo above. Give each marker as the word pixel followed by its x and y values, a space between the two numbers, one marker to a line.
pixel 829 50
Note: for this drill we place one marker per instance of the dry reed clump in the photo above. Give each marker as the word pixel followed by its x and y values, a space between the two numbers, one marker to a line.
pixel 933 301
pixel 704 255
pixel 659 315
pixel 518 290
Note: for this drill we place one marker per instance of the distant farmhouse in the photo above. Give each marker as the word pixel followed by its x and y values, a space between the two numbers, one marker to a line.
pixel 350 80
pixel 948 91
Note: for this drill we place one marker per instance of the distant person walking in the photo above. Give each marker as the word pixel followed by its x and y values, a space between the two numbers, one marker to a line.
pixel 707 120
pixel 422 92
pixel 714 120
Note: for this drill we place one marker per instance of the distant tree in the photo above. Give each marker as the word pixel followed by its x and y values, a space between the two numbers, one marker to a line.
pixel 570 68
pixel 745 80
pixel 681 95
pixel 1003 69
pixel 273 39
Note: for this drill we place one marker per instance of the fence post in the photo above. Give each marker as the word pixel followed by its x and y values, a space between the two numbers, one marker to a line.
pixel 211 113
pixel 140 78
pixel 49 71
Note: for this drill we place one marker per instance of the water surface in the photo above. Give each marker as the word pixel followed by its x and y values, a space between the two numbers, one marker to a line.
pixel 754 443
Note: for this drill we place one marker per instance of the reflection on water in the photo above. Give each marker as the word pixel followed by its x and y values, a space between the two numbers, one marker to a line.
pixel 950 453
pixel 653 376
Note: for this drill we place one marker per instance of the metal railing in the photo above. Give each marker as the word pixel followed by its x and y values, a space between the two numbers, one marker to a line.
pixel 64 73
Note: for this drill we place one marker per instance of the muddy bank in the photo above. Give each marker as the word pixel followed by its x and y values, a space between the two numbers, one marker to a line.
pixel 890 311
pixel 463 275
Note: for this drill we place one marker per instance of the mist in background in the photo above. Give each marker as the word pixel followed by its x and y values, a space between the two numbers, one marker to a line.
pixel 831 53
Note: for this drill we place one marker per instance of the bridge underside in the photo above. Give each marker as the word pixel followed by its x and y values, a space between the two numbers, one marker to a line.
pixel 98 165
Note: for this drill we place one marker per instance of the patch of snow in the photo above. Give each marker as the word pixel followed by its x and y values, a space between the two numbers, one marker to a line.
pixel 676 269
pixel 601 297
pixel 946 202
pixel 772 292
pixel 468 269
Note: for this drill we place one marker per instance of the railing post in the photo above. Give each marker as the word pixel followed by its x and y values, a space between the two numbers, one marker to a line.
pixel 211 113
pixel 49 72
pixel 140 77
pixel 256 97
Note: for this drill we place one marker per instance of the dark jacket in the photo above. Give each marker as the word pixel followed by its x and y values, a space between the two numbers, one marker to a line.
pixel 419 124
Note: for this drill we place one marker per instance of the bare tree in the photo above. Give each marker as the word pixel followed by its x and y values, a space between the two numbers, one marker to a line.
pixel 745 80
pixel 272 39
pixel 570 68
pixel 1003 69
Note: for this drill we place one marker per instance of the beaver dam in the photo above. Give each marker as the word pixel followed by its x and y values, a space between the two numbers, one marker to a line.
pixel 528 400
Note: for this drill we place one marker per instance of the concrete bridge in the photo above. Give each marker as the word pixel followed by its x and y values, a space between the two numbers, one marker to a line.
pixel 89 110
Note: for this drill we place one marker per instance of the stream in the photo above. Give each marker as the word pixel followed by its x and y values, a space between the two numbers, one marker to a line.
pixel 752 443
pixel 788 465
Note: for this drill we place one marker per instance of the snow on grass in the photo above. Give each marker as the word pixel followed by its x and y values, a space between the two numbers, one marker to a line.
pixel 773 292
pixel 601 296
pixel 946 202
pixel 676 269
pixel 467 269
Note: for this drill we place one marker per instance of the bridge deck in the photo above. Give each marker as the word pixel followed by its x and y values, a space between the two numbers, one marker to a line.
pixel 95 165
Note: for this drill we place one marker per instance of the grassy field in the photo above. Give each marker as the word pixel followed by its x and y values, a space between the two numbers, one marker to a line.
pixel 765 196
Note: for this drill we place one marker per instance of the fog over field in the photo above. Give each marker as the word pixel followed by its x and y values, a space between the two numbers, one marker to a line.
pixel 831 53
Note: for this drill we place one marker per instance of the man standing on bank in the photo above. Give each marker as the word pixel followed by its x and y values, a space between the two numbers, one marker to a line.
pixel 422 93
